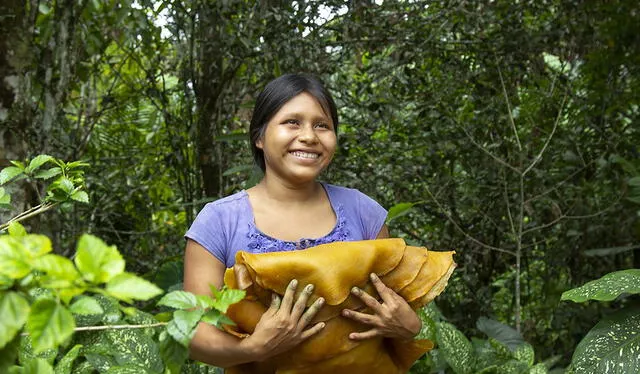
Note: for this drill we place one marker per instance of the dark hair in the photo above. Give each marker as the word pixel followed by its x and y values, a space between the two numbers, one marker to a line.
pixel 275 95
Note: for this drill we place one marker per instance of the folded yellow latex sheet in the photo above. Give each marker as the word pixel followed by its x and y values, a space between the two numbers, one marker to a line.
pixel 415 273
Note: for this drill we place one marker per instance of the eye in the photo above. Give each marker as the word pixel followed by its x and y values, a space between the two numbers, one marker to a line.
pixel 291 121
pixel 323 125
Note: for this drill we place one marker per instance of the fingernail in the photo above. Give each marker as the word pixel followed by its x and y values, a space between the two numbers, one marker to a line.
pixel 373 276
pixel 309 288
pixel 355 290
pixel 320 301
pixel 345 312
pixel 293 283
pixel 322 325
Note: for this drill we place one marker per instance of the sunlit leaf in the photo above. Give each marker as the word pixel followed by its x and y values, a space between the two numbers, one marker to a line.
pixel 182 326
pixel 86 305
pixel 179 300
pixel 399 210
pixel 16 229
pixel 9 173
pixel 49 324
pixel 225 298
pixel 456 348
pixel 37 162
pixel 97 261
pixel 128 287
pixel 606 288
pixel 14 309
pixel 47 174
pixel 612 346
pixel 80 196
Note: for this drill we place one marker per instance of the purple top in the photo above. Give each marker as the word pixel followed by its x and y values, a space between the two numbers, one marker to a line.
pixel 225 226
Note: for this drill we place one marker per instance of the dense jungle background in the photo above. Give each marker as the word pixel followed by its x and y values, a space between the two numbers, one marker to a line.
pixel 506 130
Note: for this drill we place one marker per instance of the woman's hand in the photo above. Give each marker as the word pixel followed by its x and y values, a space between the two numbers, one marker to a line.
pixel 393 318
pixel 284 325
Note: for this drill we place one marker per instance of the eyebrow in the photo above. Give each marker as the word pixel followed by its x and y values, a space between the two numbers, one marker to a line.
pixel 298 115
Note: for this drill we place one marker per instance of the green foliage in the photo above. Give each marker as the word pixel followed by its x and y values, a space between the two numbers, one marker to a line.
pixel 606 288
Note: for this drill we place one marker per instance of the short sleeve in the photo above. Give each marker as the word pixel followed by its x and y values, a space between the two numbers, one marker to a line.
pixel 207 231
pixel 372 216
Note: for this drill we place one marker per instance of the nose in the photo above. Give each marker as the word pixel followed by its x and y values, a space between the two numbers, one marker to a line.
pixel 307 135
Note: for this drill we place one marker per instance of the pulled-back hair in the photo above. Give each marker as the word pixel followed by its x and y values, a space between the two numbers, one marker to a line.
pixel 277 93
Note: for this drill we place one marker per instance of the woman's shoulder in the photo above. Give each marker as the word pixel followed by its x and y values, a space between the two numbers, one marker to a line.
pixel 228 205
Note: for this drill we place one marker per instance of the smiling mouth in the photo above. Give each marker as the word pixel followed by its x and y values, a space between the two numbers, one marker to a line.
pixel 307 155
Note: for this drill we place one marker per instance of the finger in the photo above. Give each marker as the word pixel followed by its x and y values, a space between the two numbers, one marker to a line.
pixel 386 293
pixel 311 312
pixel 312 330
pixel 287 299
pixel 301 303
pixel 365 335
pixel 367 299
pixel 361 317
pixel 275 302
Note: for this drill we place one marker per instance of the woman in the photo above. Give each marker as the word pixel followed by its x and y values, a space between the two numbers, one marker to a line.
pixel 293 139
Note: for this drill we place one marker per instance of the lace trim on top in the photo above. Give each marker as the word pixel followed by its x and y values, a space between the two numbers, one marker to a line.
pixel 262 243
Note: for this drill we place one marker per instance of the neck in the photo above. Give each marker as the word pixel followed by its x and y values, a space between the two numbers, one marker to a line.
pixel 287 193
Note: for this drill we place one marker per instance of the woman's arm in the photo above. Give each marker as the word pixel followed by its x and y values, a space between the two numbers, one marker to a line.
pixel 282 327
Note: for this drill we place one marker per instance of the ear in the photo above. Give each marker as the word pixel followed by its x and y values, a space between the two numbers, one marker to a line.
pixel 259 143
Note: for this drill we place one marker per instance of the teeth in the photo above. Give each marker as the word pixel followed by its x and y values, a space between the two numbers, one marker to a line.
pixel 305 154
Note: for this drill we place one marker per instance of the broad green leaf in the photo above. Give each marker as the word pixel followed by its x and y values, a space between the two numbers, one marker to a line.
pixel 14 262
pixel 48 174
pixel 612 346
pixel 216 318
pixel 128 287
pixel 501 332
pixel 513 367
pixel 5 282
pixel 57 266
pixel 37 366
pixel 173 353
pixel 539 369
pixel 37 162
pixel 399 210
pixel 14 309
pixel 182 326
pixel 128 369
pixel 524 353
pixel 456 348
pixel 96 261
pixel 226 297
pixel 27 354
pixel 428 330
pixel 49 324
pixel 204 301
pixel 5 199
pixel 86 305
pixel 65 185
pixel 501 350
pixel 9 173
pixel 80 196
pixel 65 364
pixel 16 229
pixel 606 288
pixel 179 300
pixel 135 347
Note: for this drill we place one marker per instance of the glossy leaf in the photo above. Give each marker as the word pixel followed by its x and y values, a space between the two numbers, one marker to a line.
pixel 80 196
pixel 179 300
pixel 612 346
pixel 456 348
pixel 127 286
pixel 524 353
pixel 97 261
pixel 501 332
pixel 135 347
pixel 37 162
pixel 57 266
pixel 65 364
pixel 48 174
pixel 49 324
pixel 606 288
pixel 9 173
pixel 14 309
pixel 182 327
pixel 86 305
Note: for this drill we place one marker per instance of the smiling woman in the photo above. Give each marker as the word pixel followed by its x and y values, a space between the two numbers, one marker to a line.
pixel 293 139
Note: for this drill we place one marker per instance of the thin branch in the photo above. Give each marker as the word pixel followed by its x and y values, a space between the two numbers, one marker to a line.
pixel 28 214
pixel 546 143
pixel 506 200
pixel 455 224
pixel 506 98
pixel 496 158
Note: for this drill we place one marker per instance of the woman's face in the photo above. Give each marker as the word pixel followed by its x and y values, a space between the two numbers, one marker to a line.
pixel 299 140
